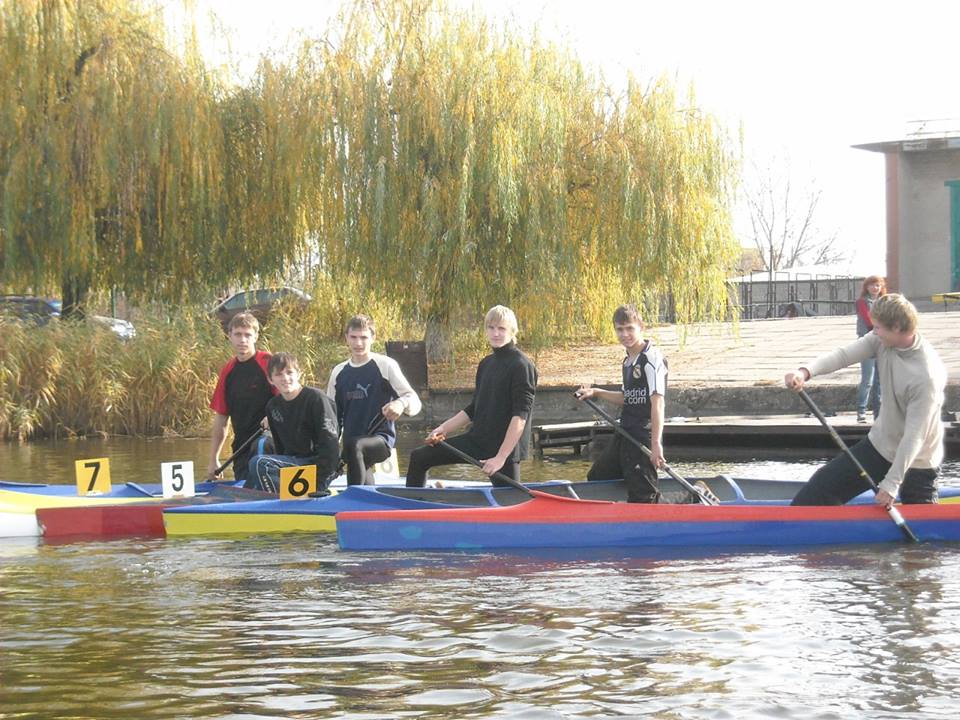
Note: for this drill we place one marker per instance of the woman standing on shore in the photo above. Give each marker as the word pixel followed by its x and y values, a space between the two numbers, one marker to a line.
pixel 869 391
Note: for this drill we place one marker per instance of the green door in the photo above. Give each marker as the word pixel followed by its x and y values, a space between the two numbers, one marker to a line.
pixel 954 186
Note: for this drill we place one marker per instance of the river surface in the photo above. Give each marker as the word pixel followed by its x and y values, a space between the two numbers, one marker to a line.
pixel 288 626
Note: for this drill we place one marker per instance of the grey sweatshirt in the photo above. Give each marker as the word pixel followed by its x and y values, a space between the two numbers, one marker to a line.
pixel 908 432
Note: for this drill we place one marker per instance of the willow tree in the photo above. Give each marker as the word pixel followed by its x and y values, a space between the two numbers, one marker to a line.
pixel 108 155
pixel 433 156
pixel 461 165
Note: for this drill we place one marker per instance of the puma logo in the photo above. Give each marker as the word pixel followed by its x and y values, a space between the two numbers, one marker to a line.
pixel 361 393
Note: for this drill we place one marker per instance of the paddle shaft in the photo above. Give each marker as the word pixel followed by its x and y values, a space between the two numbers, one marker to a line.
pixel 473 461
pixel 646 451
pixel 893 512
pixel 238 451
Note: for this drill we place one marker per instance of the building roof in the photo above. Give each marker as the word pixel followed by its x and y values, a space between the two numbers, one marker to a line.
pixel 921 136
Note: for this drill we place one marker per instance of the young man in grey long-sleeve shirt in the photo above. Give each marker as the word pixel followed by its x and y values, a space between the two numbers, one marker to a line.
pixel 904 448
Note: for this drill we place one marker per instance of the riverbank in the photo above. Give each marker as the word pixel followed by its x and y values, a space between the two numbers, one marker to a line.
pixel 720 369
pixel 74 380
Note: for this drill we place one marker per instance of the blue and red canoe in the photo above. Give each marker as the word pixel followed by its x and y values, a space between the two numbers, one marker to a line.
pixel 549 521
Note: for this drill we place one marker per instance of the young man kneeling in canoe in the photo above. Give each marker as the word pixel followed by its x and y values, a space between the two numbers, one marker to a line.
pixel 371 392
pixel 241 396
pixel 641 396
pixel 303 422
pixel 905 444
pixel 499 436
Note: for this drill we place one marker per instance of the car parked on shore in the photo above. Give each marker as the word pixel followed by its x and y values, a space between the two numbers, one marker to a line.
pixel 40 311
pixel 28 308
pixel 260 302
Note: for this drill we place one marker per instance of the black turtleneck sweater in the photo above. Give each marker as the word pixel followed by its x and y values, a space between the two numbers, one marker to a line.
pixel 506 385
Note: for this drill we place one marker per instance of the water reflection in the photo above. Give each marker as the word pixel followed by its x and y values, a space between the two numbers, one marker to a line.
pixel 289 626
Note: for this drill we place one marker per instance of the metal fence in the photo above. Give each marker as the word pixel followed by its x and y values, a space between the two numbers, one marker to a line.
pixel 786 294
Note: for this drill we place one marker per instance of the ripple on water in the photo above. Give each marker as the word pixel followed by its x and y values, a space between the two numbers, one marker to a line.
pixel 288 625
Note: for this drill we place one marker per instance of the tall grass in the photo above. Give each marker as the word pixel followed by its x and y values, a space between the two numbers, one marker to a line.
pixel 71 379
pixel 68 379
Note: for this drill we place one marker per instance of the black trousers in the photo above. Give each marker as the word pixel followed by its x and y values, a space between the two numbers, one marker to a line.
pixel 426 457
pixel 623 459
pixel 241 469
pixel 362 453
pixel 839 481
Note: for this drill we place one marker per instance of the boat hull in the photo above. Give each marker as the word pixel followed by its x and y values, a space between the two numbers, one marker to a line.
pixel 555 522
pixel 319 515
pixel 272 516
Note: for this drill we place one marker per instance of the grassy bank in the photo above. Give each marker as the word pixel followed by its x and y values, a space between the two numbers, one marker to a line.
pixel 78 379
pixel 71 379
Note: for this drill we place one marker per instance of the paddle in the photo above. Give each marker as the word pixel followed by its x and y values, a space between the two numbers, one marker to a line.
pixel 619 428
pixel 439 440
pixel 893 512
pixel 238 451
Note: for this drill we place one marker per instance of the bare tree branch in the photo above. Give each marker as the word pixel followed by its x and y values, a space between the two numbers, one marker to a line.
pixel 783 221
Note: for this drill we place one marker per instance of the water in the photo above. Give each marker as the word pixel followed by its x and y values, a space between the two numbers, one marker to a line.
pixel 289 626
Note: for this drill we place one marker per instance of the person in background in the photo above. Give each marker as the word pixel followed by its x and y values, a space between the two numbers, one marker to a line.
pixel 641 398
pixel 370 392
pixel 904 448
pixel 303 422
pixel 498 414
pixel 241 395
pixel 868 393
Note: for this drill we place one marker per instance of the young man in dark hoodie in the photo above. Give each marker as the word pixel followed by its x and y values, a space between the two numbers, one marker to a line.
pixel 498 414
pixel 303 422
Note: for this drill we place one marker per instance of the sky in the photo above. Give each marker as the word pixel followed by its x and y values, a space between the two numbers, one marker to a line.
pixel 804 80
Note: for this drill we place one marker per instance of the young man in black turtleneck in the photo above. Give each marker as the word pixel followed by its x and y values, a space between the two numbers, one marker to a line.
pixel 498 414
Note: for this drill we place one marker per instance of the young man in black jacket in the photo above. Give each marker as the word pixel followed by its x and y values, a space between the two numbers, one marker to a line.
pixel 303 422
pixel 498 414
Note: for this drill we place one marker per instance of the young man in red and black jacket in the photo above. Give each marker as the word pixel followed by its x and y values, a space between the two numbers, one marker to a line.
pixel 241 395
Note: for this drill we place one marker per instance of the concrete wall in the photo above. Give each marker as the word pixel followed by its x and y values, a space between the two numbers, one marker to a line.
pixel 924 228
pixel 557 404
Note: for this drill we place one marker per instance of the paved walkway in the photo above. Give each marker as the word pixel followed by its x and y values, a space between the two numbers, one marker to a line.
pixel 717 370
pixel 758 352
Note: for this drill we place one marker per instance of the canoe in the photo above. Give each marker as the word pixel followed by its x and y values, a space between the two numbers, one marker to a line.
pixel 127 490
pixel 142 519
pixel 550 521
pixel 318 515
pixel 15 521
pixel 131 509
pixel 20 502
pixel 33 509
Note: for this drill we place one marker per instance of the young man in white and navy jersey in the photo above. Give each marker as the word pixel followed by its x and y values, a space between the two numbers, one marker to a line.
pixel 642 399
pixel 370 393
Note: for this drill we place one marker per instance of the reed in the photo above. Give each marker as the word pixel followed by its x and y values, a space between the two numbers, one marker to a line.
pixel 70 379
